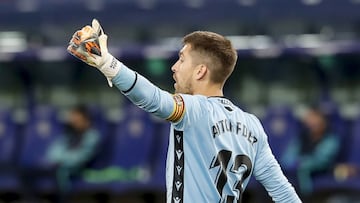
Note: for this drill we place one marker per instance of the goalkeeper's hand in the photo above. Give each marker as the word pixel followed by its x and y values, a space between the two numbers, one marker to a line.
pixel 90 45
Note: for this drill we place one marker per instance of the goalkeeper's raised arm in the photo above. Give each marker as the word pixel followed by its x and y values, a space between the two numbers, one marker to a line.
pixel 90 45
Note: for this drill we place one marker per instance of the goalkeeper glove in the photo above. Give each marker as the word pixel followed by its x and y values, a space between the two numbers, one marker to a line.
pixel 90 45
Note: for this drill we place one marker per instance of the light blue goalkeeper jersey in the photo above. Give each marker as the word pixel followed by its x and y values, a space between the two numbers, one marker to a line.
pixel 214 146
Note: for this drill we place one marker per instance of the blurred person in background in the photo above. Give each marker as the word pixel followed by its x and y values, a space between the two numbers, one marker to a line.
pixel 68 155
pixel 313 152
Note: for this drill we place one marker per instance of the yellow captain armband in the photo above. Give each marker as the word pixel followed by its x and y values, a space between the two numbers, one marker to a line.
pixel 179 109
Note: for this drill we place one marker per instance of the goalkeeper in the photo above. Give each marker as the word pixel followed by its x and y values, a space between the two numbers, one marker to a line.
pixel 214 146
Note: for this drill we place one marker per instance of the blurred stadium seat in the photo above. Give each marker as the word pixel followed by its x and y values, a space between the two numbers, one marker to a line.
pixel 337 123
pixel 134 145
pixel 8 145
pixel 281 127
pixel 133 137
pixel 354 157
pixel 161 138
pixel 41 129
pixel 98 119
pixel 8 137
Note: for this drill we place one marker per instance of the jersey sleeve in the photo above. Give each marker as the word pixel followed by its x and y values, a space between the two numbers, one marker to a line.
pixel 268 172
pixel 193 106
pixel 147 96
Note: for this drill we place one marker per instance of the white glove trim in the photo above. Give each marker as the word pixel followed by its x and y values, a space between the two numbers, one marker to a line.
pixel 110 68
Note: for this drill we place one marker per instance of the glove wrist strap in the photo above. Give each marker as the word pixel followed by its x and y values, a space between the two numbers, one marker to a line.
pixel 110 67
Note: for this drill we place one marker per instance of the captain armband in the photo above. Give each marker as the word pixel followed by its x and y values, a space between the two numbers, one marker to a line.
pixel 179 109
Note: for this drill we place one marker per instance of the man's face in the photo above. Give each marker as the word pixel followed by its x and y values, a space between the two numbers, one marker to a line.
pixel 77 121
pixel 315 123
pixel 183 71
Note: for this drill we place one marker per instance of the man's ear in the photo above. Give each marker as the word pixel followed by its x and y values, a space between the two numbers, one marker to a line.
pixel 200 71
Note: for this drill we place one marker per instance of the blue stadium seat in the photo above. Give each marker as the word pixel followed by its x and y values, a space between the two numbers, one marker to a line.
pixel 281 127
pixel 134 143
pixel 354 152
pixel 40 131
pixel 134 136
pixel 331 111
pixel 7 137
pixel 98 119
pixel 159 158
pixel 8 145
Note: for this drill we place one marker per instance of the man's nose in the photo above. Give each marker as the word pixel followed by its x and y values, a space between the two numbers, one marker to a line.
pixel 174 67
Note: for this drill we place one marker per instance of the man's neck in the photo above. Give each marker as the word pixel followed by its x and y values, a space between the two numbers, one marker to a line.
pixel 209 91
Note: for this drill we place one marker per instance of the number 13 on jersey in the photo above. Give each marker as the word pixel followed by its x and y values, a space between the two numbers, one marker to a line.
pixel 239 165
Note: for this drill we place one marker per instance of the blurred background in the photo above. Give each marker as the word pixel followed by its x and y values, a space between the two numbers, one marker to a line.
pixel 292 55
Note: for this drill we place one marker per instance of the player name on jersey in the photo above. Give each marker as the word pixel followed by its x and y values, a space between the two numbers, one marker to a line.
pixel 236 128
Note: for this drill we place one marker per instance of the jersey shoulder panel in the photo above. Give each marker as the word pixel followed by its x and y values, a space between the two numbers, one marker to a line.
pixel 194 107
pixel 256 125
